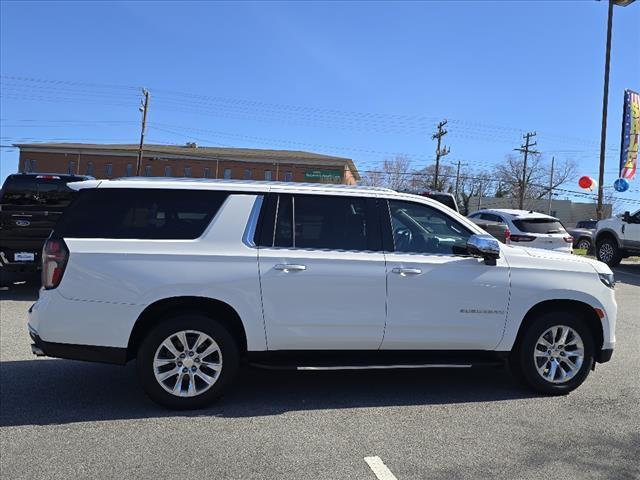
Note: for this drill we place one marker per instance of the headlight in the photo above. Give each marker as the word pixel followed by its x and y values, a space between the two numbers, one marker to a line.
pixel 607 279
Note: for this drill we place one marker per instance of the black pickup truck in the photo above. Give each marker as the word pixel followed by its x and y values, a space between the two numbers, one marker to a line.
pixel 30 205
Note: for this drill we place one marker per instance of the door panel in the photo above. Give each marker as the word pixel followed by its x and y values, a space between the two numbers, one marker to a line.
pixel 438 296
pixel 322 272
pixel 452 303
pixel 336 302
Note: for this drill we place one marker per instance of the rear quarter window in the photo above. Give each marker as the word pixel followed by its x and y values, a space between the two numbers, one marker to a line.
pixel 140 214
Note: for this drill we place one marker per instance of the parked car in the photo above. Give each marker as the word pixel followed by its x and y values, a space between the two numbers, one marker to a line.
pixel 530 229
pixel 30 205
pixel 444 198
pixel 499 230
pixel 192 278
pixel 617 238
pixel 583 234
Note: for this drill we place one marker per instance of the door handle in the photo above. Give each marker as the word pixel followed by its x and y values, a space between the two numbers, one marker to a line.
pixel 288 267
pixel 407 271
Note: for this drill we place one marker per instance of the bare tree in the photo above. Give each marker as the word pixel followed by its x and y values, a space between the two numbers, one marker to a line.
pixel 394 173
pixel 473 185
pixel 424 179
pixel 509 174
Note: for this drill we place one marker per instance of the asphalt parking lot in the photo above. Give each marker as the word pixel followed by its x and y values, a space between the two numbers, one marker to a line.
pixel 63 419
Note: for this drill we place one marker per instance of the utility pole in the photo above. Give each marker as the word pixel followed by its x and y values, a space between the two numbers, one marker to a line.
pixel 480 197
pixel 458 177
pixel 439 152
pixel 551 184
pixel 144 107
pixel 525 149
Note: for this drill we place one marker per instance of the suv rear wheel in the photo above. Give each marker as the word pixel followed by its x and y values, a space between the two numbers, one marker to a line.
pixel 555 353
pixel 608 252
pixel 187 361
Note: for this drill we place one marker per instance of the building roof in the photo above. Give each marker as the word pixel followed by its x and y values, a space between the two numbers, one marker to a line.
pixel 196 152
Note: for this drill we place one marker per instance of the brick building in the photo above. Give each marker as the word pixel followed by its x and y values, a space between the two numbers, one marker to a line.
pixel 111 161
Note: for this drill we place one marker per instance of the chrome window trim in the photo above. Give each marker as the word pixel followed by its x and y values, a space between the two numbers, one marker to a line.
pixel 248 238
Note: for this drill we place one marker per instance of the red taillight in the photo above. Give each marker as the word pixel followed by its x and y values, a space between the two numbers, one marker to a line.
pixel 507 235
pixel 54 261
pixel 568 239
pixel 521 238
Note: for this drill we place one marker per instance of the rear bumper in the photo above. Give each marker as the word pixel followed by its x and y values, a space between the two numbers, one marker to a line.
pixel 69 351
pixel 8 264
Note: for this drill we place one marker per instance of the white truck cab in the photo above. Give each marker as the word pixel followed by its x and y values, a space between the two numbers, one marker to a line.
pixel 193 278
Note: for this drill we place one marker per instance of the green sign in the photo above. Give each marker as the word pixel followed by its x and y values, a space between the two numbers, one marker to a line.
pixel 334 176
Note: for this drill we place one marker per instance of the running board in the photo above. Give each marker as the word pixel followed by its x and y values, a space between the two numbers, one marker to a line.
pixel 373 360
pixel 384 367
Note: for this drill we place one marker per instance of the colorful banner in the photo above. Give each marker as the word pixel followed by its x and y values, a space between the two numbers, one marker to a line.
pixel 630 135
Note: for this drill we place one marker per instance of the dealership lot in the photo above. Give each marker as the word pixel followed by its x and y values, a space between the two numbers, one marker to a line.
pixel 61 418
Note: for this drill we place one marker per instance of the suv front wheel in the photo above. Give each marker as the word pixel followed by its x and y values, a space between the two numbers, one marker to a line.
pixel 555 353
pixel 607 251
pixel 187 361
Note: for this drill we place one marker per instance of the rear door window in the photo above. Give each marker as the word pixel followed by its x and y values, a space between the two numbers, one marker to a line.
pixel 539 225
pixel 324 222
pixel 140 214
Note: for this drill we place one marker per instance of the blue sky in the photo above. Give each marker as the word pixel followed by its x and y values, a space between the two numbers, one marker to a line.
pixel 356 79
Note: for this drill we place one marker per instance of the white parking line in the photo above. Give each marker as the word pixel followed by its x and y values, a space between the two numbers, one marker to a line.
pixel 379 468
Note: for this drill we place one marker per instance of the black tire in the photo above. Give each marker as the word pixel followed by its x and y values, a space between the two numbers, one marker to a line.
pixel 584 243
pixel 195 322
pixel 607 251
pixel 522 360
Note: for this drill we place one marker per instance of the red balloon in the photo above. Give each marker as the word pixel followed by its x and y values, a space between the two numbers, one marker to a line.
pixel 585 182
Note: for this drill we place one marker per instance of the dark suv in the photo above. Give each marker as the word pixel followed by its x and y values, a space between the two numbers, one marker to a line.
pixel 30 204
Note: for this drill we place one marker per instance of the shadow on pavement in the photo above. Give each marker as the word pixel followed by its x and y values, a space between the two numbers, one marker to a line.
pixel 50 391
pixel 628 273
pixel 20 287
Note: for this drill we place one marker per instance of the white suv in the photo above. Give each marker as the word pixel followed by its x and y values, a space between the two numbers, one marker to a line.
pixel 193 278
pixel 530 229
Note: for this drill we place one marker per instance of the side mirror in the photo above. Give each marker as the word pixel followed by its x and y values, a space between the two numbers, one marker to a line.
pixel 626 217
pixel 484 246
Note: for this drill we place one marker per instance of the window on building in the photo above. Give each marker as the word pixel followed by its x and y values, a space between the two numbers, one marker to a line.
pixel 108 170
pixel 288 176
pixel 207 173
pixel 140 213
pixel 187 171
pixel 167 170
pixel 247 174
pixel 324 222
pixel 147 170
pixel 227 173
pixel 129 170
pixel 268 175
pixel 89 168
pixel 71 167
pixel 418 228
pixel 29 165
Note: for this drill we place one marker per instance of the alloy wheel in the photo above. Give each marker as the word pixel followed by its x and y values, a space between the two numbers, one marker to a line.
pixel 187 363
pixel 605 252
pixel 559 354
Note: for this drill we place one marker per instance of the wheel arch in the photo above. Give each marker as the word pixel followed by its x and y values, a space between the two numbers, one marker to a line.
pixel 607 233
pixel 153 313
pixel 585 310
